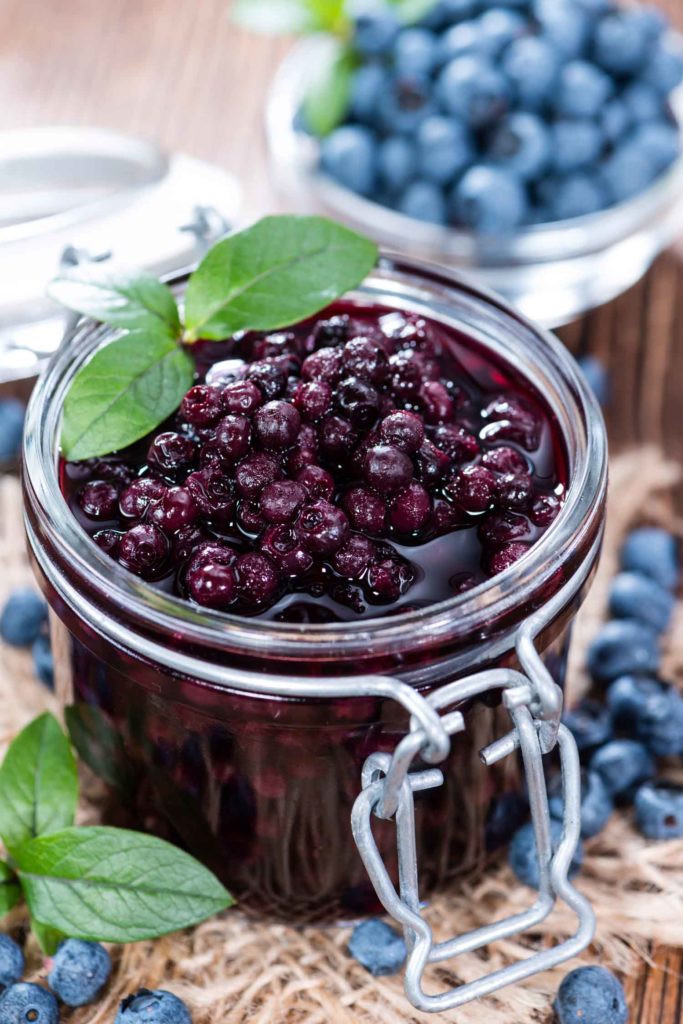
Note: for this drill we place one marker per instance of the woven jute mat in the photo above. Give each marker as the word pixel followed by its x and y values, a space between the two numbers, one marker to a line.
pixel 231 969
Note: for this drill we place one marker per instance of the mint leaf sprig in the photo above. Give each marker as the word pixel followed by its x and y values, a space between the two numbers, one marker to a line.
pixel 270 275
pixel 97 883
pixel 329 91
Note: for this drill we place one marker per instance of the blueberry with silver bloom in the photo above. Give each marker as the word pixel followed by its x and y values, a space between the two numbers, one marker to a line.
pixel 590 723
pixel 396 162
pixel 643 102
pixel 79 971
pixel 524 858
pixel 521 143
pixel 596 803
pixel 11 961
pixel 375 32
pixel 424 200
pixel 627 698
pixel 620 45
pixel 591 995
pixel 404 103
pixel 634 596
pixel 564 24
pixel 582 89
pixel 621 648
pixel 23 617
pixel 366 88
pixel 459 41
pixel 575 144
pixel 576 195
pixel 664 70
pixel 12 414
pixel 623 765
pixel 489 200
pixel 659 810
pixel 615 120
pixel 379 948
pixel 153 1007
pixel 660 723
pixel 661 141
pixel 415 52
pixel 498 28
pixel 444 148
pixel 349 155
pixel 472 89
pixel 27 1002
pixel 654 552
pixel 532 64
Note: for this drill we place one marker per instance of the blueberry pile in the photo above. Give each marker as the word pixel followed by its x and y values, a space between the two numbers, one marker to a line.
pixel 314 471
pixel 494 117
pixel 23 623
pixel 77 975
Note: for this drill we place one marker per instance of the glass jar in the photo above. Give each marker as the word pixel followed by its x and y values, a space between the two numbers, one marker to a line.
pixel 243 739
pixel 552 272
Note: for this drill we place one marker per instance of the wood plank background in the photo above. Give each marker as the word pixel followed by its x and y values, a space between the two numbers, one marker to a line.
pixel 179 72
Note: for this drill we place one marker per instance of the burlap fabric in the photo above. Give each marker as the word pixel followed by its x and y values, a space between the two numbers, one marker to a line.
pixel 233 970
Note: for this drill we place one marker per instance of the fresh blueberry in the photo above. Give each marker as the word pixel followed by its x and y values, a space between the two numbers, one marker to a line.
pixel 577 195
pixel 591 995
pixel 415 52
pixel 375 32
pixel 424 200
pixel 532 64
pixel 11 962
pixel 366 89
pixel 590 723
pixel 43 661
pixel 596 375
pixel 153 1007
pixel 661 141
pixel 22 618
pixel 79 971
pixel 615 120
pixel 508 812
pixel 620 46
pixel 11 428
pixel 659 810
pixel 596 803
pixel 634 596
pixel 626 699
pixel 499 27
pixel 643 102
pixel 490 200
pixel 524 859
pixel 564 24
pixel 664 71
pixel 396 162
pixel 349 155
pixel 448 12
pixel 521 144
pixel 660 723
pixel 623 765
pixel 653 552
pixel 404 103
pixel 471 89
pixel 582 90
pixel 444 149
pixel 459 41
pixel 26 1002
pixel 622 648
pixel 377 947
pixel 575 144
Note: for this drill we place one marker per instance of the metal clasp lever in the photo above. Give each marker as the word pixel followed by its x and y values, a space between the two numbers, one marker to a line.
pixel 388 791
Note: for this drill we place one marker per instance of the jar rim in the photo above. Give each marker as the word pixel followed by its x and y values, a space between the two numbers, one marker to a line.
pixel 443 295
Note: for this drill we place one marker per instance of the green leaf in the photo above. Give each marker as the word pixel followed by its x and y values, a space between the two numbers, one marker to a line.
pixel 10 893
pixel 38 783
pixel 112 885
pixel 48 938
pixel 127 389
pixel 127 299
pixel 279 271
pixel 327 97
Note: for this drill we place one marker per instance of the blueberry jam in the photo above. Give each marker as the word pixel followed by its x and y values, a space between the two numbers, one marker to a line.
pixel 364 463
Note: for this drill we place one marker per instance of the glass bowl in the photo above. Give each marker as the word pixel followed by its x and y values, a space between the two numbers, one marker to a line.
pixel 553 273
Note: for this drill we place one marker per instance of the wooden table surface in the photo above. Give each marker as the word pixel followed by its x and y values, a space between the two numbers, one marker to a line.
pixel 179 72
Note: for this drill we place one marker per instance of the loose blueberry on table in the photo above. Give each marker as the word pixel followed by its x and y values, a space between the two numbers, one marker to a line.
pixel 359 463
pixel 493 118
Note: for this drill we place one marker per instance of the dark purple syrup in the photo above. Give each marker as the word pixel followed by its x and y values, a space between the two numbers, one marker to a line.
pixel 363 463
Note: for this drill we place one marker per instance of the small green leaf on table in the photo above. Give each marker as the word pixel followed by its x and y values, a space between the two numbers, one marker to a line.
pixel 113 885
pixel 122 298
pixel 38 784
pixel 273 274
pixel 127 389
pixel 9 889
